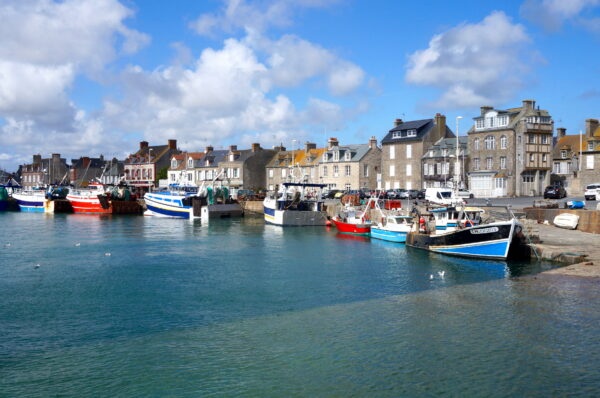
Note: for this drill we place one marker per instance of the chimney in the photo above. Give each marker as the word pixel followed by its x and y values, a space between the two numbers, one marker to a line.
pixel 332 142
pixel 590 127
pixel 173 144
pixel 561 132
pixel 256 147
pixel 101 158
pixel 485 109
pixel 209 148
pixel 529 104
pixel 37 158
pixel 86 161
pixel 440 122
pixel 398 122
pixel 309 145
pixel 373 142
pixel 143 144
pixel 56 157
pixel 232 148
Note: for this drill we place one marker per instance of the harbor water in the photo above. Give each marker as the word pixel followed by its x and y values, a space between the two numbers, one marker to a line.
pixel 142 306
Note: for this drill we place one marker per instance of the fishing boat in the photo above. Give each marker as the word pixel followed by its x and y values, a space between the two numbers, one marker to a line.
pixel 495 240
pixel 3 198
pixel 39 200
pixel 296 204
pixel 98 198
pixel 175 202
pixel 393 228
pixel 353 221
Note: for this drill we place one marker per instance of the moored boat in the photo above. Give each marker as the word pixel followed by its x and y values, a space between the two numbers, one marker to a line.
pixel 98 198
pixel 296 204
pixel 31 201
pixel 352 221
pixel 176 202
pixel 393 228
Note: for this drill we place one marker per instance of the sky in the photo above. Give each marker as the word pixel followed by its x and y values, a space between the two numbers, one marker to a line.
pixel 84 78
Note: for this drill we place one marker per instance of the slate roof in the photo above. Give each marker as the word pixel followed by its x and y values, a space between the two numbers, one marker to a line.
pixel 570 143
pixel 423 128
pixel 357 152
pixel 215 157
pixel 95 163
pixel 435 151
pixel 141 156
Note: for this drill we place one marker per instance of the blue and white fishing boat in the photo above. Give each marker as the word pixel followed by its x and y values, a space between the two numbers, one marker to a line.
pixel 176 202
pixel 393 228
pixel 39 200
pixel 296 204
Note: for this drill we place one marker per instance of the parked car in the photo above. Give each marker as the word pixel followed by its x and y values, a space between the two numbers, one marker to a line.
pixel 391 194
pixel 592 192
pixel 555 192
pixel 331 194
pixel 402 194
pixel 421 194
pixel 465 193
pixel 414 194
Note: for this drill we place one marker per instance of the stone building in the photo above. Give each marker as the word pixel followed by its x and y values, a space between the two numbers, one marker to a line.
pixel 246 168
pixel 39 172
pixel 294 166
pixel 182 169
pixel 142 167
pixel 510 151
pixel 404 146
pixel 349 167
pixel 86 169
pixel 439 163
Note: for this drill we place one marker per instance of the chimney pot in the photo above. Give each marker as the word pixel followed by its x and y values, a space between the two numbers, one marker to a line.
pixel 529 104
pixel 232 148
pixel 209 148
pixel 561 132
pixel 172 144
pixel 143 144
pixel 398 122
pixel 590 127
pixel 373 142
pixel 256 147
pixel 485 109
pixel 332 142
pixel 309 145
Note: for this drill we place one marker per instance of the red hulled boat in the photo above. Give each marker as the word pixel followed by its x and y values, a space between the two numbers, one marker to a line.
pixel 94 199
pixel 351 228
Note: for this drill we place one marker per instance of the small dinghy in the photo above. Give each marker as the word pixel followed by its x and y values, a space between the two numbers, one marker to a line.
pixel 566 220
pixel 575 204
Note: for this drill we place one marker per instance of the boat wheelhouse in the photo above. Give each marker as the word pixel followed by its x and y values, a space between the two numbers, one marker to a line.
pixel 393 228
pixel 296 204
pixel 175 202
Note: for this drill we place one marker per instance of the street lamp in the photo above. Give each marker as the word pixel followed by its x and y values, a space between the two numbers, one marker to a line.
pixel 149 161
pixel 457 164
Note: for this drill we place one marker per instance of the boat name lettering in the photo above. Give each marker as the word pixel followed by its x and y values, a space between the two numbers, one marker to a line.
pixel 488 230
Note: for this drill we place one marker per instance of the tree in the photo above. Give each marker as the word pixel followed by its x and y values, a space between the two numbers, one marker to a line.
pixel 162 174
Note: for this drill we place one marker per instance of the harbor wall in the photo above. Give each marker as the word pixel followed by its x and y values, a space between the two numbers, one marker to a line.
pixel 589 220
pixel 252 206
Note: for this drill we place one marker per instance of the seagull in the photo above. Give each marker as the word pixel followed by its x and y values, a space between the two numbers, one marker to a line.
pixel 77 244
pixel 430 276
pixel 107 254
pixel 36 266
pixel 7 245
pixel 441 274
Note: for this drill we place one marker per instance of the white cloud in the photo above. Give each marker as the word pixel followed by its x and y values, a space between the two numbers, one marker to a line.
pixel 253 15
pixel 45 45
pixel 551 14
pixel 473 64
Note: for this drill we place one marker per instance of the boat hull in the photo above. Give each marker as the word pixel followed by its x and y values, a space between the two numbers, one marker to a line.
pixel 30 203
pixel 390 236
pixel 490 241
pixel 3 205
pixel 88 205
pixel 352 229
pixel 294 218
pixel 157 206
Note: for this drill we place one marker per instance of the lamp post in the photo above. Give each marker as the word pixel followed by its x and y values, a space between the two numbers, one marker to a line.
pixel 457 164
pixel 149 161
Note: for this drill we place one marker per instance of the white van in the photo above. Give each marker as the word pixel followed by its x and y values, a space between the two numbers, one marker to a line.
pixel 592 192
pixel 442 196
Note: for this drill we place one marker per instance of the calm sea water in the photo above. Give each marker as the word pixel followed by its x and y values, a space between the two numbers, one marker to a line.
pixel 139 307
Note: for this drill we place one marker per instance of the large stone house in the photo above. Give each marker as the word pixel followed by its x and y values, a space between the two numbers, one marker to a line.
pixel 142 167
pixel 404 146
pixel 39 172
pixel 510 151
pixel 246 168
pixel 439 163
pixel 349 167
pixel 182 169
pixel 293 166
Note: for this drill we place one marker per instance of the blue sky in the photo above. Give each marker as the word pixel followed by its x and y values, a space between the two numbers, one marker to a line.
pixel 84 78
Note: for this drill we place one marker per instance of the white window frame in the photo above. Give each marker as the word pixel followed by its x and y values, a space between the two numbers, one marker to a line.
pixel 348 171
pixel 396 134
pixel 502 162
pixel 336 171
pixel 392 170
pixel 589 161
pixel 411 133
pixel 503 142
pixel 347 155
pixel 476 144
pixel 324 159
pixel 409 170
pixel 336 156
pixel 366 170
pixel 409 151
pixel 392 152
pixel 270 173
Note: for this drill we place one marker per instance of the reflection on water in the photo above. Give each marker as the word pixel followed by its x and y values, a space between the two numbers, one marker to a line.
pixel 242 308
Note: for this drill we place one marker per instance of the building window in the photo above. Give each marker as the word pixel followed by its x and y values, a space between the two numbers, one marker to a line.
pixel 589 162
pixel 366 170
pixel 411 133
pixel 336 156
pixel 347 187
pixel 172 177
pixel 490 142
pixel 325 157
pixel 173 164
pixel 544 157
pixel 489 162
pixel 409 151
pixel 282 173
pixel 476 164
pixel 347 155
pixel 544 139
pixel 528 176
pixel 479 123
pixel 270 187
pixel 236 172
pixel 347 169
pixel 336 171
pixel 556 168
pixel 563 154
pixel 408 170
pixel 531 157
pixel 396 134
pixel 532 138
pixel 190 176
pixel 476 144
pixel 503 162
pixel 190 163
pixel 324 171
pixel 392 170
pixel 590 146
pixel 270 173
pixel 392 152
pixel 503 142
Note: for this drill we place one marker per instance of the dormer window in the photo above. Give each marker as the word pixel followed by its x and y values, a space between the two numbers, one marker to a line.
pixel 347 155
pixel 479 123
pixel 207 163
pixel 411 133
pixel 190 163
pixel 173 163
pixel 325 157
pixel 336 156
pixel 232 157
pixel 563 154
pixel 396 134
pixel 590 146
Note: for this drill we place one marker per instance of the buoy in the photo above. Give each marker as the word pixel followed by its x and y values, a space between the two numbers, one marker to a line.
pixel 107 254
pixel 77 244
pixel 36 266
pixel 328 223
